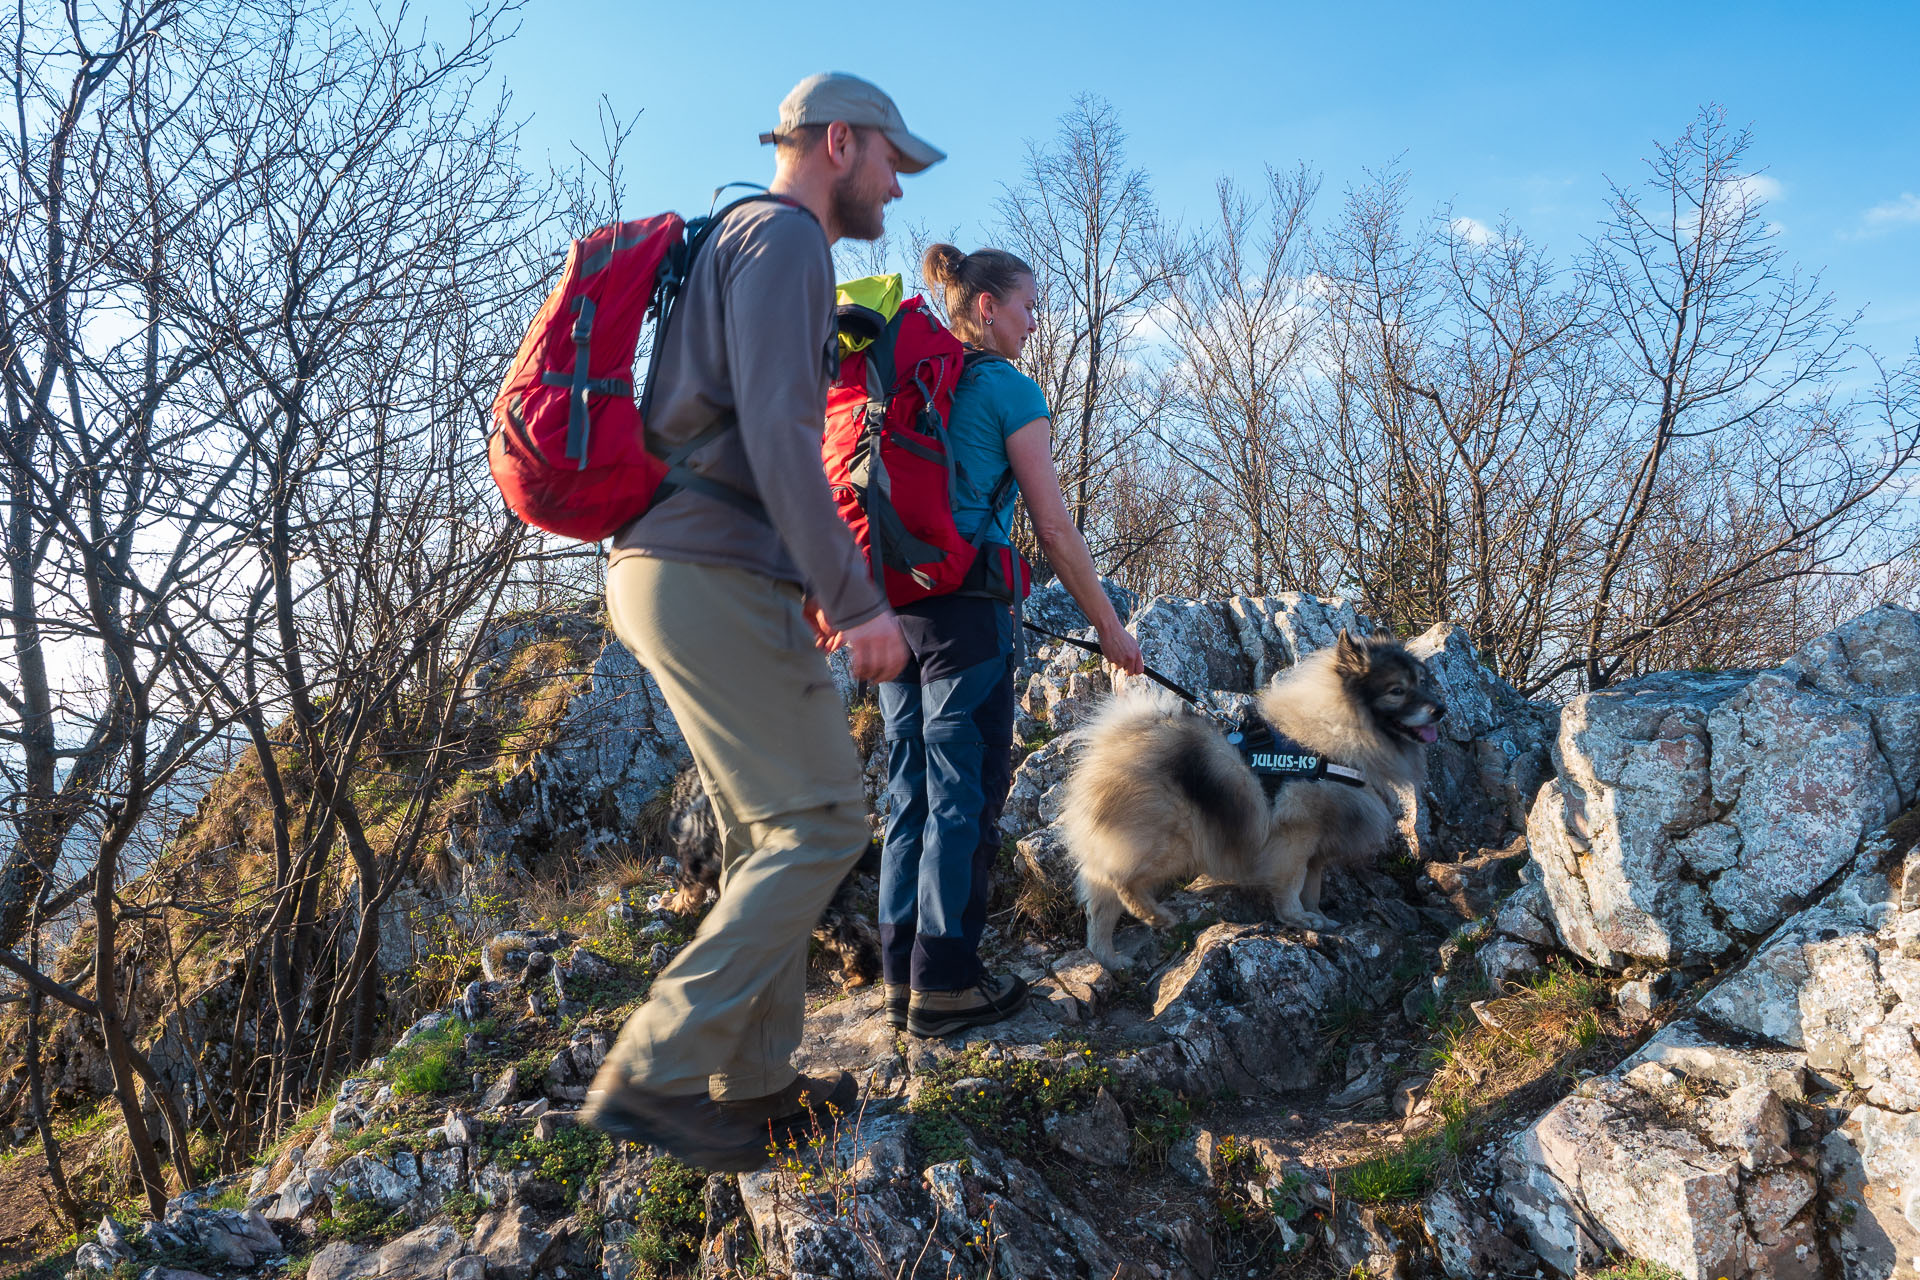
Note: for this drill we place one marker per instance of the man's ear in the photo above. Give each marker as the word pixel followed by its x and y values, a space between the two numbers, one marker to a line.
pixel 1350 656
pixel 843 143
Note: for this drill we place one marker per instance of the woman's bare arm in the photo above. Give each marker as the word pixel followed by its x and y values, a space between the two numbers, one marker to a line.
pixel 1030 453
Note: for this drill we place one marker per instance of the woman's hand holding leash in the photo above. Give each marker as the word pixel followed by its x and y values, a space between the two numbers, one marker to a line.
pixel 1118 646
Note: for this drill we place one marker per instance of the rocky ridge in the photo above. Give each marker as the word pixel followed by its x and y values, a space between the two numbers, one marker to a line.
pixel 1765 1128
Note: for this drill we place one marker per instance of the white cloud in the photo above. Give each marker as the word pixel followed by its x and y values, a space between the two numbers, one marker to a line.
pixel 1472 230
pixel 1894 212
pixel 1733 199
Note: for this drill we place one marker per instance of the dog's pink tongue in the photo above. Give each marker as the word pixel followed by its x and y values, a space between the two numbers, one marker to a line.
pixel 1426 733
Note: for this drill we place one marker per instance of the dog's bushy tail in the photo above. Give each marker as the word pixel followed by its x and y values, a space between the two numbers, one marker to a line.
pixel 1106 764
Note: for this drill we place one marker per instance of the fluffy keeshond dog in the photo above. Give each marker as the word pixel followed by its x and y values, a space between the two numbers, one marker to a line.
pixel 1159 794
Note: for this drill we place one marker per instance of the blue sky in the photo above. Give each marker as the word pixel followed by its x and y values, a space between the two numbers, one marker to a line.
pixel 1516 109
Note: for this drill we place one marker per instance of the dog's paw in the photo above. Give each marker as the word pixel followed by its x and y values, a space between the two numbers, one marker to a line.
pixel 1111 961
pixel 1163 918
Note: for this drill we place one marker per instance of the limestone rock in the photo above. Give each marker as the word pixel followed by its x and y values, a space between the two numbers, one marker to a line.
pixel 504 1089
pixel 1870 663
pixel 1038 777
pixel 388 1183
pixel 1870 1166
pixel 1840 981
pixel 1097 1134
pixel 1473 885
pixel 1466 1242
pixel 511 1240
pixel 340 1260
pixel 1493 751
pixel 1052 606
pixel 1690 811
pixel 1619 1177
pixel 297 1194
pixel 113 1237
pixel 1192 1157
pixel 422 1254
pixel 852 1034
pixel 1524 917
pixel 94 1256
pixel 1751 1123
pixel 1361 1238
pixel 1240 643
pixel 1505 961
pixel 1692 1049
pixel 1045 855
pixel 1244 1006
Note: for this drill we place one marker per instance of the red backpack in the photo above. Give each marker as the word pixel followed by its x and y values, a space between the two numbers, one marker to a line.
pixel 888 459
pixel 569 446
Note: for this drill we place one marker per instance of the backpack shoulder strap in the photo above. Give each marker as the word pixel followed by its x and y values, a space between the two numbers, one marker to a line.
pixel 673 278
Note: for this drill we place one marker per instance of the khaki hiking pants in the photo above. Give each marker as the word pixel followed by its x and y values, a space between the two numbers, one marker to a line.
pixel 735 658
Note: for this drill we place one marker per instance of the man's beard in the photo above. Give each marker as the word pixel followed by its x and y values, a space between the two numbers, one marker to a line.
pixel 860 214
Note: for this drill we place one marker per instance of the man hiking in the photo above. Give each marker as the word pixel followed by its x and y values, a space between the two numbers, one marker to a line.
pixel 729 609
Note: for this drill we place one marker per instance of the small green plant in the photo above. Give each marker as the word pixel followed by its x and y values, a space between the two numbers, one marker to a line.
pixel 1161 1118
pixel 1013 1110
pixel 1259 1219
pixel 1288 1201
pixel 361 1221
pixel 463 1208
pixel 1410 1169
pixel 572 1160
pixel 1635 1269
pixel 234 1197
pixel 428 1064
pixel 671 1218
pixel 1398 1174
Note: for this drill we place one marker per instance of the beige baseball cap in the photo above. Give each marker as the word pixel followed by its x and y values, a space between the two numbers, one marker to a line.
pixel 835 95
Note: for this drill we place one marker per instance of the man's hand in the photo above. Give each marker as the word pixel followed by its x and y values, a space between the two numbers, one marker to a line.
pixel 824 636
pixel 879 648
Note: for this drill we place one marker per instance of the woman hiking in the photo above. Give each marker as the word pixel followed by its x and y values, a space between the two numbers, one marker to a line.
pixel 949 713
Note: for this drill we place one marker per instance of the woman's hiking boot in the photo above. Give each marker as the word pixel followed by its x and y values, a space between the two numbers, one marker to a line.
pixel 898 995
pixel 941 1013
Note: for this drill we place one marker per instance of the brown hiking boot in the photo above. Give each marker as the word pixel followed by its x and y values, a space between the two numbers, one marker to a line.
pixel 941 1013
pixel 899 994
pixel 691 1128
pixel 809 1100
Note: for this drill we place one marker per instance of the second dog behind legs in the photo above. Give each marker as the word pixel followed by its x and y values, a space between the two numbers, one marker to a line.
pixel 694 837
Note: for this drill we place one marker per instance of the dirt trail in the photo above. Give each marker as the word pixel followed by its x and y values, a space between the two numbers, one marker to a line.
pixel 28 1222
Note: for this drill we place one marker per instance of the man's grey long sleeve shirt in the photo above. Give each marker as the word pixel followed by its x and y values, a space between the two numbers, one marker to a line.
pixel 753 335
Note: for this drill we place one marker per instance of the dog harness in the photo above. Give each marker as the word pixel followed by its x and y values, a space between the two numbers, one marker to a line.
pixel 1277 759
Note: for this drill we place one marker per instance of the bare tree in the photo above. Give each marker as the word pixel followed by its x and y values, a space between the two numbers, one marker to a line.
pixel 1238 322
pixel 1729 354
pixel 260 275
pixel 1087 222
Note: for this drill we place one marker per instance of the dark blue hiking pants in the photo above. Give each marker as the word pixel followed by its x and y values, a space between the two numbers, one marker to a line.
pixel 949 726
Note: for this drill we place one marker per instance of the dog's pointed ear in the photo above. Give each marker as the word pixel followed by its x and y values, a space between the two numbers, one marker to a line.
pixel 1350 656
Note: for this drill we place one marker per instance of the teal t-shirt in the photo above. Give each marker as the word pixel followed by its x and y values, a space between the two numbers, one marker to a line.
pixel 994 400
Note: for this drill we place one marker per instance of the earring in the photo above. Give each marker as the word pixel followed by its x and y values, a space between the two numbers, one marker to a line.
pixel 989 321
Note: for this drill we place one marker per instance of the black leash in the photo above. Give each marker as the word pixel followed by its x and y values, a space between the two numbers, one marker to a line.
pixel 1150 673
pixel 1273 757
